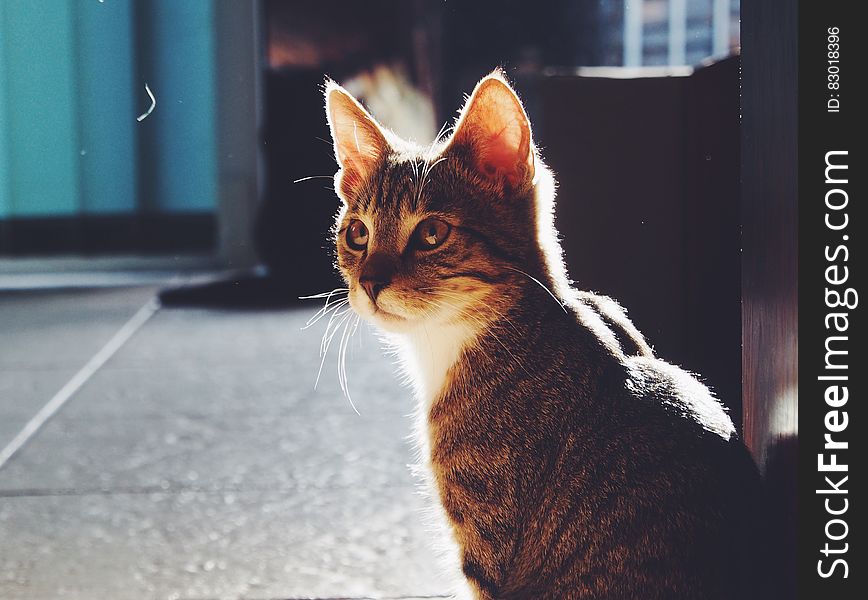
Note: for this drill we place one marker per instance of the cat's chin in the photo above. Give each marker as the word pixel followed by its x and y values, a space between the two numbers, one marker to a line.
pixel 385 317
pixel 389 320
pixel 385 320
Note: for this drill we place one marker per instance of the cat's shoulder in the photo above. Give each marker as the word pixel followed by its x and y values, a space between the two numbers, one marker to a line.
pixel 607 318
pixel 648 376
pixel 681 391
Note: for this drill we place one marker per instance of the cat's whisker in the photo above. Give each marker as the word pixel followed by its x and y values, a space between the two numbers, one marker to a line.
pixel 328 296
pixel 421 177
pixel 541 284
pixel 417 178
pixel 336 317
pixel 429 154
pixel 309 177
pixel 437 139
pixel 324 294
pixel 329 332
pixel 434 164
pixel 341 347
pixel 329 305
pixel 342 362
pixel 324 311
pixel 334 313
pixel 356 325
pixel 334 298
pixel 327 340
pixel 346 351
pixel 415 166
pixel 426 171
pixel 337 308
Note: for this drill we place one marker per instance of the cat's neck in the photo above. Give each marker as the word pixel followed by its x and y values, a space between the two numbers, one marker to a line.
pixel 429 352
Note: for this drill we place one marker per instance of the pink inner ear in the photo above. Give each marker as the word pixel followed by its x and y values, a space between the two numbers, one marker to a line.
pixel 356 170
pixel 359 143
pixel 496 128
pixel 497 159
pixel 501 154
pixel 357 167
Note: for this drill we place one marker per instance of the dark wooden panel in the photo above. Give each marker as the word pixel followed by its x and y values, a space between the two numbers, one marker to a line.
pixel 616 147
pixel 769 265
pixel 648 207
pixel 712 229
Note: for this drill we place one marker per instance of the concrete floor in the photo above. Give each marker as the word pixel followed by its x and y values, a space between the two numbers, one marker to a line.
pixel 199 462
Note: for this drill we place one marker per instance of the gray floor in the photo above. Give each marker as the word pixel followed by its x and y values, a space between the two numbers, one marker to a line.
pixel 199 462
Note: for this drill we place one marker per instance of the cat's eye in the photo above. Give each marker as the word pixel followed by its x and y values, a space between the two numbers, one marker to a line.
pixel 430 233
pixel 357 235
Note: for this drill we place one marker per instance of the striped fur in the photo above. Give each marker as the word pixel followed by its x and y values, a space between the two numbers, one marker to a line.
pixel 569 461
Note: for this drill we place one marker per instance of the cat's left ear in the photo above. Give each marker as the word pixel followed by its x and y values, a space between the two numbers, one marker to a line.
pixel 360 144
pixel 495 130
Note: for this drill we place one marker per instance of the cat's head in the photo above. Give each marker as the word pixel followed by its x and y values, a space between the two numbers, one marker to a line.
pixel 438 234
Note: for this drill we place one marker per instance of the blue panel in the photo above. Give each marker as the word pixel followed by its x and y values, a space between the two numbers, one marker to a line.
pixel 183 82
pixel 40 132
pixel 108 99
pixel 72 75
pixel 5 199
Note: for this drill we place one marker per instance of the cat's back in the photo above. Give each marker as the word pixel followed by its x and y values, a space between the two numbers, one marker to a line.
pixel 654 412
pixel 574 464
pixel 645 468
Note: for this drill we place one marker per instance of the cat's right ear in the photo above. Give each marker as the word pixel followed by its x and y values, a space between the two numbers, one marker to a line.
pixel 495 129
pixel 359 142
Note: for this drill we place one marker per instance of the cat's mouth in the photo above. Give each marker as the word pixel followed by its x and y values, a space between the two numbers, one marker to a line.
pixel 385 315
pixel 374 311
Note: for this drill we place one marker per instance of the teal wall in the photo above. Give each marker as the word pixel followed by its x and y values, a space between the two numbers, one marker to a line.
pixel 38 84
pixel 5 202
pixel 183 76
pixel 107 100
pixel 72 75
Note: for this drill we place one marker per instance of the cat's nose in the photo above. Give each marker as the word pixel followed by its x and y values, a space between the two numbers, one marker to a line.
pixel 376 274
pixel 373 288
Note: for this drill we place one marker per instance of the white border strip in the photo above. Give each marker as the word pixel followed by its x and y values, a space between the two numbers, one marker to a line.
pixel 720 24
pixel 677 32
pixel 633 30
pixel 620 72
pixel 79 379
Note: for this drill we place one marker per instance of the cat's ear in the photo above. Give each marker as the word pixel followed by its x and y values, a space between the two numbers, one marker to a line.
pixel 359 142
pixel 496 130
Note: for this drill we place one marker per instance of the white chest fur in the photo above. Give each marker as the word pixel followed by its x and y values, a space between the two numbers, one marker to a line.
pixel 428 352
pixel 426 355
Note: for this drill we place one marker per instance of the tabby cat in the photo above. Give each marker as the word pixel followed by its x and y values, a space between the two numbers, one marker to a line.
pixel 570 461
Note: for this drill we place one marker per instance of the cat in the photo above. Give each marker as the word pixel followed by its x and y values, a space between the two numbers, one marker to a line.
pixel 570 462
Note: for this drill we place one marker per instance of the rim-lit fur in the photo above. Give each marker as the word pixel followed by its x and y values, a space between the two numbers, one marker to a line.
pixel 569 460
